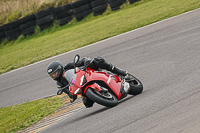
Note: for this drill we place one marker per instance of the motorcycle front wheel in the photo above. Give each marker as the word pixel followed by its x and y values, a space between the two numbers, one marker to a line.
pixel 103 98
pixel 136 86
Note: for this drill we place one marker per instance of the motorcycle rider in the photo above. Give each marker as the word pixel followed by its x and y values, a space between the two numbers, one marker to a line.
pixel 56 71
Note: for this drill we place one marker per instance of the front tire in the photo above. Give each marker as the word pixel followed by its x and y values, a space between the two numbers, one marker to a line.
pixel 105 99
pixel 136 87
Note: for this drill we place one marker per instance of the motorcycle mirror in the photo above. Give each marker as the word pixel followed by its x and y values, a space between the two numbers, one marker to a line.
pixel 76 59
pixel 59 92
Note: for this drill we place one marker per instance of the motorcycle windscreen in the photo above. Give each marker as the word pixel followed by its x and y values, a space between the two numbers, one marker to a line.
pixel 70 76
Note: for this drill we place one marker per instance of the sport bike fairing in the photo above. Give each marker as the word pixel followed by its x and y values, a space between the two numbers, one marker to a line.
pixel 114 82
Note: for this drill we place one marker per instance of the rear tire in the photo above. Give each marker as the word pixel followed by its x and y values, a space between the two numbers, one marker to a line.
pixel 92 94
pixel 136 87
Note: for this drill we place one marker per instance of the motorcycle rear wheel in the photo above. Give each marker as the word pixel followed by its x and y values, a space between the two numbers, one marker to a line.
pixel 136 86
pixel 107 99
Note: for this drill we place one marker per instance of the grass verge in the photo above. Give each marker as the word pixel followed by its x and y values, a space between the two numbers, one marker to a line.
pixel 92 29
pixel 18 117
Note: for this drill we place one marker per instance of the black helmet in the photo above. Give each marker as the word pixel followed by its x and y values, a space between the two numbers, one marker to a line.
pixel 55 70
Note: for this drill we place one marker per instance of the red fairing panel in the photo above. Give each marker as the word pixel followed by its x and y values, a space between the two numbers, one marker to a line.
pixel 115 85
pixel 94 86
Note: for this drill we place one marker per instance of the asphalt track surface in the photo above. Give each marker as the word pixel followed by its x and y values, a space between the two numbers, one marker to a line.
pixel 165 56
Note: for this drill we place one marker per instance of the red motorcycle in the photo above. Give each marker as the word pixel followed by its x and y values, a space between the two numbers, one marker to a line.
pixel 102 87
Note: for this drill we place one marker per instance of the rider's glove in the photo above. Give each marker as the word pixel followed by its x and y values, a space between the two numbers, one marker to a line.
pixel 70 95
pixel 74 97
pixel 68 92
pixel 86 61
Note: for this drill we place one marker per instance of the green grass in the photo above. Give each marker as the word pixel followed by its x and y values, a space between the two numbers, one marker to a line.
pixel 20 116
pixel 62 39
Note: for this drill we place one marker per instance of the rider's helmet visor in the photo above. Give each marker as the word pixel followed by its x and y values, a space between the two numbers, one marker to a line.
pixel 56 73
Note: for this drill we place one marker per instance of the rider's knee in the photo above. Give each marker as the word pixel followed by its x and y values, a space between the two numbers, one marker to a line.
pixel 87 102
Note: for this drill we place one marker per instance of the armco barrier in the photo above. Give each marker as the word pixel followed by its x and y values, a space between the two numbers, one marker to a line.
pixel 62 14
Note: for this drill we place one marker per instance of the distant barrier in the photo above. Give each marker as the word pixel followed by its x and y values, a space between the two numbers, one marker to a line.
pixel 63 14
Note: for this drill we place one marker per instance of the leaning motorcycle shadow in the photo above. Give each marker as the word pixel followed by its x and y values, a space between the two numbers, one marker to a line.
pixel 99 111
pixel 125 99
pixel 132 96
pixel 89 114
pixel 107 108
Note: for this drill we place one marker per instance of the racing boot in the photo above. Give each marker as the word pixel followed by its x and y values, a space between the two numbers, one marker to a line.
pixel 118 71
